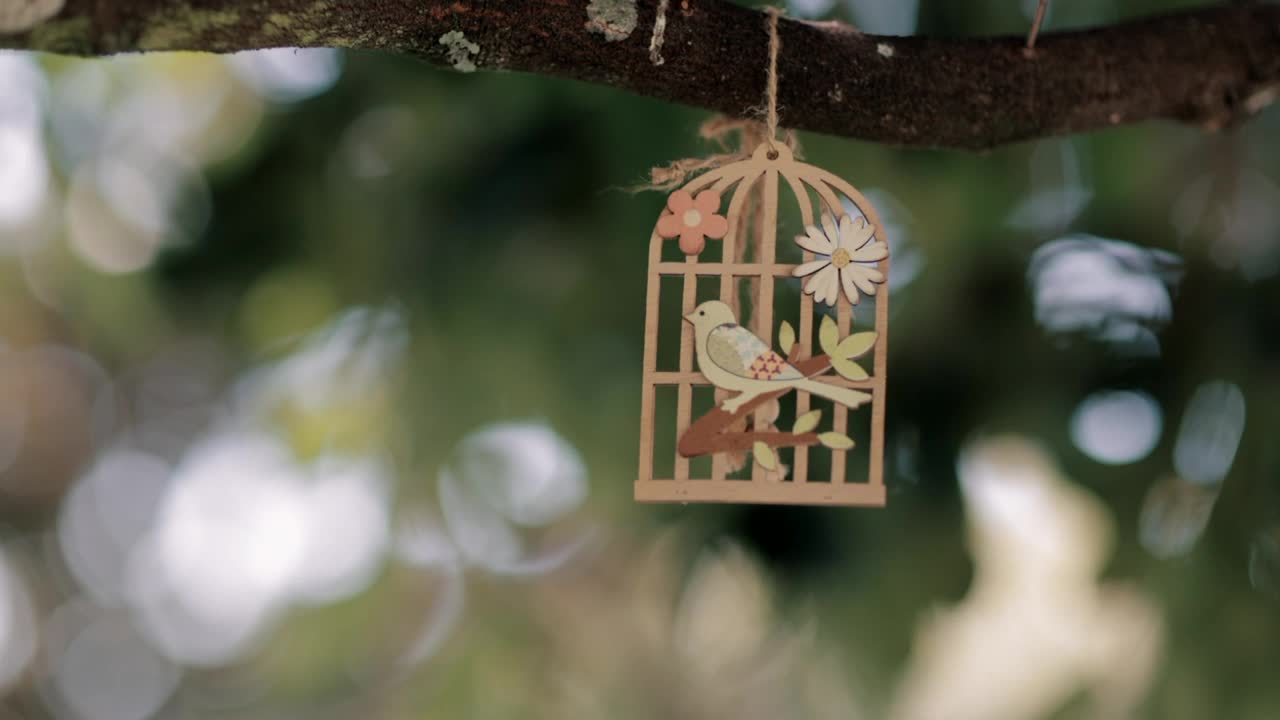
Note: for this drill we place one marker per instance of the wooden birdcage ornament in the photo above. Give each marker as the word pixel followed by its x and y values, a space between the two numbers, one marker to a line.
pixel 753 380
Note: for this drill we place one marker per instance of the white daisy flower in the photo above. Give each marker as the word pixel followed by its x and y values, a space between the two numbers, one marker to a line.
pixel 848 259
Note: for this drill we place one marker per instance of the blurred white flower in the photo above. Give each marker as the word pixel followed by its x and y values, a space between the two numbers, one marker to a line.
pixel 230 536
pixel 522 473
pixel 1036 627
pixel 423 543
pixel 526 471
pixel 245 528
pixel 725 615
pixel 244 532
pixel 482 537
pixel 1112 290
pixel 711 637
pixel 348 529
pixel 344 362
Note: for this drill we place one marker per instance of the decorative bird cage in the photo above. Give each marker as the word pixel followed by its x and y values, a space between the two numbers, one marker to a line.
pixel 716 442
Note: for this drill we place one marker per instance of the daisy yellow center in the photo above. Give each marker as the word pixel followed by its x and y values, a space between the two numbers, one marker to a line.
pixel 692 218
pixel 840 258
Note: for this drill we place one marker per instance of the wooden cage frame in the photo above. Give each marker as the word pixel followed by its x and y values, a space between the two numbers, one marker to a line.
pixel 768 165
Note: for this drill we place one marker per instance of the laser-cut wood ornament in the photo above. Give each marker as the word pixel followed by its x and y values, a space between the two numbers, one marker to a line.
pixel 845 260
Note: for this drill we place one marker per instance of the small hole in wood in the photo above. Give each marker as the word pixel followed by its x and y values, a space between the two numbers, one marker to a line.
pixel 772 154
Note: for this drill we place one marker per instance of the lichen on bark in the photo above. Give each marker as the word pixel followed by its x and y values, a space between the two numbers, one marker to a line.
pixel 461 51
pixel 615 19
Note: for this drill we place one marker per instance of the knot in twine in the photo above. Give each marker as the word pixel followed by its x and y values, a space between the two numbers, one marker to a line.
pixel 752 132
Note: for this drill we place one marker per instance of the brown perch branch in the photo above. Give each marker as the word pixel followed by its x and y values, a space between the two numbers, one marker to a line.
pixel 709 433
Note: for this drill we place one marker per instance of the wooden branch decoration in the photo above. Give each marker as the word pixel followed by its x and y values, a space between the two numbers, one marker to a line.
pixel 1209 67
pixel 710 433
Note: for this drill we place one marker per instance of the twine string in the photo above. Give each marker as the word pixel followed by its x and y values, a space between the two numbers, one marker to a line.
pixel 771 86
pixel 659 34
pixel 752 131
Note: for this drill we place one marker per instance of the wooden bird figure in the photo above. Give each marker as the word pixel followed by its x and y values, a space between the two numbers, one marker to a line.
pixel 733 358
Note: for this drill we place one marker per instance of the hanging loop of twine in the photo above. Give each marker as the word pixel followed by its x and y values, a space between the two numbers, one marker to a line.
pixel 752 132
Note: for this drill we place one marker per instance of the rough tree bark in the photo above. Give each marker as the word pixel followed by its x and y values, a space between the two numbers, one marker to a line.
pixel 1210 67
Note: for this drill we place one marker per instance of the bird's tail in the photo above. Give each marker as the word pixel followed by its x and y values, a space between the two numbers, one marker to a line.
pixel 845 396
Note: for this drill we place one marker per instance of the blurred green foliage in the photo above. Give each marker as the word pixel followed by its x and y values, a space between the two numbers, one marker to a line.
pixel 501 224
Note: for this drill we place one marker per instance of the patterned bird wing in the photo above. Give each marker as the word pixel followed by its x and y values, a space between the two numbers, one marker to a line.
pixel 737 351
pixel 724 353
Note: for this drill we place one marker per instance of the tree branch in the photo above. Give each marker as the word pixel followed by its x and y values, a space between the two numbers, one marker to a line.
pixel 1210 67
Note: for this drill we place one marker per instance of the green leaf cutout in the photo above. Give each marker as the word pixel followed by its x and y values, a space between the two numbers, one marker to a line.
pixel 828 335
pixel 764 455
pixel 835 441
pixel 786 337
pixel 848 369
pixel 856 345
pixel 806 422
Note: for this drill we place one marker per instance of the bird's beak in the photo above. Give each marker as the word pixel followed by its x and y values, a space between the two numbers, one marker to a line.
pixel 689 318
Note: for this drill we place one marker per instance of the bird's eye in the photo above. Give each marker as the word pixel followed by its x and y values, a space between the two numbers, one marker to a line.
pixel 702 312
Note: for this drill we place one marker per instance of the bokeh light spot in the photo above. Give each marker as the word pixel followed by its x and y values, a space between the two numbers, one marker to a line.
pixel 106 515
pixel 24 174
pixel 108 671
pixel 1117 427
pixel 17 624
pixel 288 75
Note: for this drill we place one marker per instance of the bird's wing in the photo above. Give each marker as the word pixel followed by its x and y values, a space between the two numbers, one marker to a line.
pixel 737 351
pixel 723 351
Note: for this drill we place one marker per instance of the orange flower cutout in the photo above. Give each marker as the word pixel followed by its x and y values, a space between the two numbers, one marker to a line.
pixel 693 220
